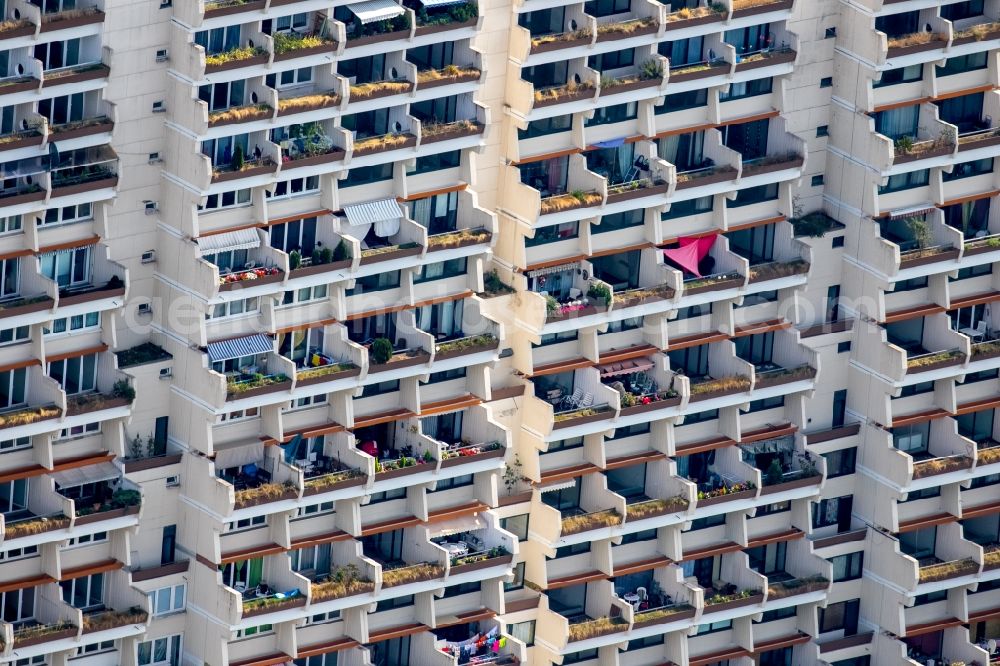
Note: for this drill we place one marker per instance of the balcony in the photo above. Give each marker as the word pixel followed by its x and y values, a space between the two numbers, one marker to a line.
pixel 342 581
pixel 784 586
pixel 84 170
pixel 263 600
pixel 288 46
pixel 105 620
pixel 441 19
pixel 917 42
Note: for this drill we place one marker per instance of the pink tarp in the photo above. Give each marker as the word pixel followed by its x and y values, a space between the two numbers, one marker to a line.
pixel 691 252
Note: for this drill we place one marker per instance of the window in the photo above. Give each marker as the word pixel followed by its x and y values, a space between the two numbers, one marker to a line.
pixel 712 627
pixel 742 90
pixel 966 63
pixel 847 567
pixel 11 335
pixel 969 169
pixel 826 82
pixel 441 270
pixel 547 126
pixel 612 60
pixel 689 207
pixel 580 656
pixel 575 549
pixel 314 509
pixel 565 444
pixel 246 523
pixel 168 599
pixel 906 181
pixel 168 544
pixel 843 615
pixel 12 387
pixel 304 295
pixel 88 321
pixel 843 347
pixel 10 224
pixel 556 338
pixel 681 101
pixel 816 181
pixel 841 463
pixel 518 582
pixel 753 195
pixel 290 78
pixel 963 10
pixel 310 558
pixel 328 659
pixel 94 648
pixel 166 650
pixel 85 592
pixel 294 187
pixel 428 163
pixel 18 605
pixel 9 277
pixel 234 308
pixel 616 113
pixel 446 375
pixel 617 221
pixel 837 241
pixel 231 199
pixel 766 403
pixel 893 77
pixel 641 535
pixel 523 631
pixel 822 130
pixel 75 375
pixel 14 444
pixel 254 631
pixel 55 55
pixel 294 235
pixel 708 521
pixel 779 614
pixel 554 233
pixel 377 282
pixel 85 539
pixel 67 267
pixel 363 175
pixel 516 525
pixel 454 482
pixel 834 511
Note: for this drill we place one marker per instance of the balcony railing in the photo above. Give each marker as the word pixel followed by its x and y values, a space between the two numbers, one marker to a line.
pixel 112 619
pixel 342 581
pixel 34 634
pixel 413 573
pixel 589 521
pixel 933 360
pixel 937 571
pixel 559 203
pixel 588 628
pixel 940 465
pixel 655 507
pixel 30 525
pixel 794 586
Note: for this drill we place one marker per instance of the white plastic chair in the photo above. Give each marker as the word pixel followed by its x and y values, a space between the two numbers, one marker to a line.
pixel 588 400
pixel 982 330
pixel 574 400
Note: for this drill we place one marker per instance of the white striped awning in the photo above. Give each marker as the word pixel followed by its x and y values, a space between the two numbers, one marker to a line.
pixel 241 239
pixel 375 10
pixel 224 350
pixel 431 4
pixel 557 485
pixel 912 211
pixel 104 471
pixel 385 214
pixel 552 269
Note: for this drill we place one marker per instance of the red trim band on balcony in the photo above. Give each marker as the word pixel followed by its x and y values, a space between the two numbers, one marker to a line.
pixel 320 539
pixel 307 433
pixel 761 327
pixel 780 643
pixel 642 565
pixel 396 632
pixel 100 567
pixel 20 364
pixel 293 218
pixel 971 197
pixel 57 466
pixel 328 646
pixel 575 579
pixel 75 354
pixel 707 126
pixel 24 583
pixel 720 655
pixel 930 627
pixel 382 417
pixel 449 405
pixel 466 617
pixel 252 551
pixel 70 245
pixel 416 196
pixel 561 366
pixel 302 327
pixel 695 340
pixel 564 474
pixel 16 255
pixel 975 299
pixel 926 521
pixel 786 535
pixel 270 660
pixel 633 459
pixel 924 310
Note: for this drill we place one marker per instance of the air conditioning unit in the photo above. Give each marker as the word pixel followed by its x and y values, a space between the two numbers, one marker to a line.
pixel 148 257
pixel 173 481
pixel 162 55
pixel 166 373
pixel 145 308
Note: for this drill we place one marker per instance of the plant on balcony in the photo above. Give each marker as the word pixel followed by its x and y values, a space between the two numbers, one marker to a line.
pixel 778 269
pixel 931 359
pixel 240 114
pixel 232 55
pixel 626 27
pixel 121 499
pixel 147 352
pixel 344 581
pixel 394 24
pixel 651 69
pixel 570 200
pixel 945 570
pixel 428 130
pixel 736 383
pixel 813 224
pixel 122 389
pixel 308 102
pixel 36 525
pixel 257 381
pixel 110 619
pixel 632 295
pixel 989 455
pixel 7 26
pixel 446 72
pixel 580 413
pixel 688 13
pixel 991 556
pixel 265 492
pixel 796 586
pixel 593 628
pixel 747 4
pixel 362 91
pixel 389 141
pixel 247 276
pixel 270 602
pixel 381 350
pixel 401 463
pixel 979 32
pixel 941 465
pixel 719 598
pixel 285 42
pixel 469 342
pixel 558 92
pixel 386 249
pixel 494 286
pixel 27 415
pixel 589 521
pixel 561 37
pixel 655 614
pixel 21 302
pixel 473 558
pixel 913 39
pixel 458 238
pixel 470 450
pixel 599 291
pixel 321 483
pixel 323 370
pixel 30 632
pixel 655 507
pixel 411 574
pixel 726 490
pixel 454 14
pixel 629 399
